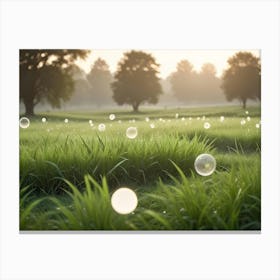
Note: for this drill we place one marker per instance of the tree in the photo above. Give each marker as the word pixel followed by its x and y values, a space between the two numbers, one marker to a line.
pixel 242 80
pixel 100 79
pixel 45 75
pixel 136 80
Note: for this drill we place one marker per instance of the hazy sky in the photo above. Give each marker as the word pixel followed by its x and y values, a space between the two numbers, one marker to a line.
pixel 167 59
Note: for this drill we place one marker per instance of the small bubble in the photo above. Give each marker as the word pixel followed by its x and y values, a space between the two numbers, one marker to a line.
pixel 24 122
pixel 183 119
pixel 207 125
pixel 160 119
pixel 248 118
pixel 44 120
pixel 90 121
pixel 222 118
pixel 112 117
pixel 246 112
pixel 101 127
pixel 131 132
pixel 152 125
pixel 164 212
pixel 147 119
pixel 205 164
pixel 66 120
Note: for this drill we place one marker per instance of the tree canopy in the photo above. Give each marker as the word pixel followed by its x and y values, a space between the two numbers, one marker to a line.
pixel 242 80
pixel 192 87
pixel 100 79
pixel 136 81
pixel 45 75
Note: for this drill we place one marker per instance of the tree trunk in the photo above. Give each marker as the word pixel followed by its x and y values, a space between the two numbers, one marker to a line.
pixel 135 107
pixel 29 107
pixel 244 103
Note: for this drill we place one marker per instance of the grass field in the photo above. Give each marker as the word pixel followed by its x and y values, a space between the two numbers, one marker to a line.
pixel 68 171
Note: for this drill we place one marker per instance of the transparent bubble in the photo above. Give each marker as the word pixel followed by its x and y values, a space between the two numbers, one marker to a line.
pixel 207 125
pixel 112 117
pixel 242 122
pixel 44 120
pixel 66 120
pixel 131 132
pixel 160 119
pixel 257 125
pixel 147 119
pixel 183 119
pixel 246 112
pixel 90 122
pixel 222 118
pixel 152 125
pixel 176 115
pixel 24 122
pixel 248 118
pixel 205 164
pixel 124 201
pixel 101 127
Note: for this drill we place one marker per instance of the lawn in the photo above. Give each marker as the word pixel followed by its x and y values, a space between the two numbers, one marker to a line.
pixel 69 171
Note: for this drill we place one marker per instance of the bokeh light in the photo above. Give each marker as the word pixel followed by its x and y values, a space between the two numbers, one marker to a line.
pixel 112 117
pixel 152 125
pixel 44 120
pixel 101 127
pixel 222 118
pixel 124 201
pixel 66 120
pixel 207 125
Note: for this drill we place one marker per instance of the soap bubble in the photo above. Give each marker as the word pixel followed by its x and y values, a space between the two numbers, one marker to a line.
pixel 112 117
pixel 183 119
pixel 24 122
pixel 101 127
pixel 66 120
pixel 147 119
pixel 246 112
pixel 131 132
pixel 222 118
pixel 205 164
pixel 152 125
pixel 248 118
pixel 90 121
pixel 124 201
pixel 242 122
pixel 44 120
pixel 207 125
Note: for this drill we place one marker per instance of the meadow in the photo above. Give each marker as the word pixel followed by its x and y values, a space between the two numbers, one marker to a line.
pixel 69 170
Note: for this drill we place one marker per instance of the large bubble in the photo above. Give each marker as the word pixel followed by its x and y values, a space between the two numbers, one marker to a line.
pixel 131 132
pixel 205 164
pixel 124 201
pixel 101 127
pixel 24 122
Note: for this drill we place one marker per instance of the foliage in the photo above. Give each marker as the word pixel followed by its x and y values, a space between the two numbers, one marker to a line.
pixel 45 76
pixel 136 80
pixel 242 80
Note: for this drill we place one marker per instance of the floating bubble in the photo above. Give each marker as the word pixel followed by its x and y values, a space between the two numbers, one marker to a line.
pixel 24 122
pixel 152 125
pixel 101 127
pixel 207 125
pixel 183 119
pixel 257 125
pixel 131 132
pixel 147 119
pixel 222 118
pixel 90 121
pixel 246 112
pixel 248 118
pixel 242 122
pixel 112 117
pixel 91 124
pixel 176 115
pixel 44 120
pixel 124 201
pixel 205 164
pixel 66 120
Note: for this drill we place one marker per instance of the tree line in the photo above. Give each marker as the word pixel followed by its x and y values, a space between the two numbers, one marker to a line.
pixel 52 76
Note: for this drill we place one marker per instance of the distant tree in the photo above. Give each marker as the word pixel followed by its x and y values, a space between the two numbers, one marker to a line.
pixel 242 80
pixel 136 80
pixel 100 79
pixel 183 81
pixel 45 75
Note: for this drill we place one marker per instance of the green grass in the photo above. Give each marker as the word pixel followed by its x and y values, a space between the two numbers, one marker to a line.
pixel 69 171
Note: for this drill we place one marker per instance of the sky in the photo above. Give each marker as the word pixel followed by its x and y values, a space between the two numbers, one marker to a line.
pixel 167 59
